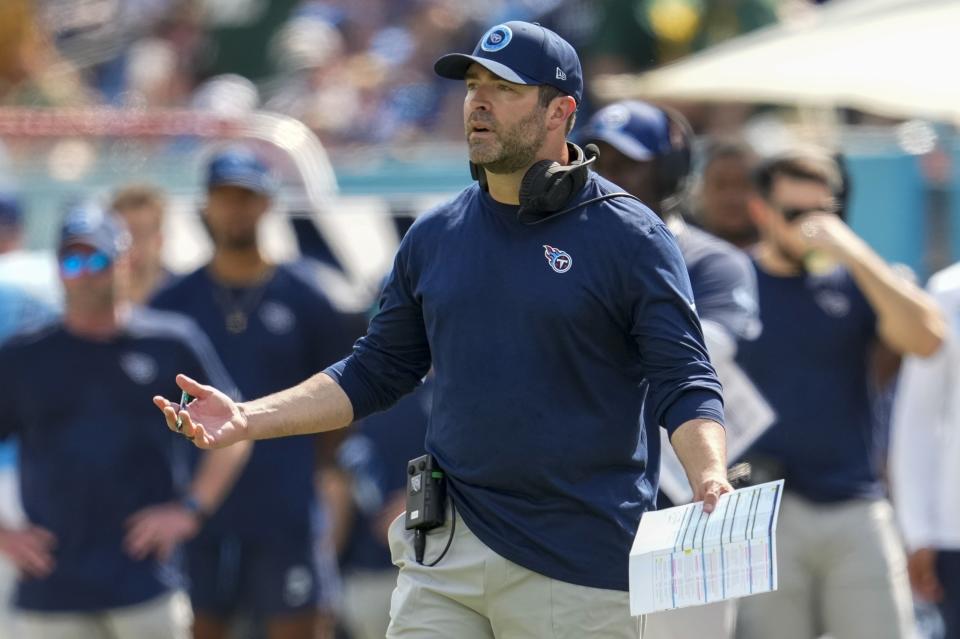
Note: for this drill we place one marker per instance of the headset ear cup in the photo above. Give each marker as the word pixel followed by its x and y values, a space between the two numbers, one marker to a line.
pixel 674 167
pixel 569 180
pixel 557 188
pixel 670 174
pixel 536 183
pixel 480 175
pixel 547 186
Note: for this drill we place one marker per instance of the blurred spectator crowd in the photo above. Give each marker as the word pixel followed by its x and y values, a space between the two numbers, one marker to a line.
pixel 355 71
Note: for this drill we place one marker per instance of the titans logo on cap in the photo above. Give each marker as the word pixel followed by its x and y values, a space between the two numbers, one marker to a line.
pixel 82 225
pixel 496 38
pixel 614 116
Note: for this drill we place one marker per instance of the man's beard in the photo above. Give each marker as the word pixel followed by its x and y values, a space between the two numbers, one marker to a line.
pixel 235 242
pixel 93 300
pixel 517 148
pixel 741 236
pixel 787 255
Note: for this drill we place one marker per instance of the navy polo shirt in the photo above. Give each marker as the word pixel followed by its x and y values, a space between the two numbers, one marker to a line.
pixel 94 450
pixel 811 364
pixel 293 330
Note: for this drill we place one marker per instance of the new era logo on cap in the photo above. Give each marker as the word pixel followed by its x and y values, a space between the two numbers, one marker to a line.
pixel 523 53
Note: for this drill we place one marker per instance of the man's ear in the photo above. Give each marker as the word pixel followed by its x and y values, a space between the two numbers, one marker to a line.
pixel 202 212
pixel 758 210
pixel 561 108
pixel 264 204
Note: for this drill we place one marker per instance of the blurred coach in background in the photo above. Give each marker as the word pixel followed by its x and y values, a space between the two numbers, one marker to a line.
pixel 105 503
pixel 826 302
pixel 272 325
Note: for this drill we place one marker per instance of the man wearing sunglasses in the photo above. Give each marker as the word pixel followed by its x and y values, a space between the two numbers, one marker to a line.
pixel 827 302
pixel 105 505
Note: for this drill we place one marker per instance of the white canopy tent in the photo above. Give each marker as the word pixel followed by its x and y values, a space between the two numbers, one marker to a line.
pixel 890 57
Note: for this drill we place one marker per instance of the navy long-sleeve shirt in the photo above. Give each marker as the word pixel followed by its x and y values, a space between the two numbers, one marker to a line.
pixel 559 349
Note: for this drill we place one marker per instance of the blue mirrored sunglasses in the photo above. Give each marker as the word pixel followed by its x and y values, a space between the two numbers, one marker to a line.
pixel 73 265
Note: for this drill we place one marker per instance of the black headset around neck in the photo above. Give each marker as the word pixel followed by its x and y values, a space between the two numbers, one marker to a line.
pixel 548 186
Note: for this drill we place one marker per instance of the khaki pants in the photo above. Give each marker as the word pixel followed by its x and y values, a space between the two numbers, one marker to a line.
pixel 712 621
pixel 11 516
pixel 474 593
pixel 841 571
pixel 166 617
pixel 366 602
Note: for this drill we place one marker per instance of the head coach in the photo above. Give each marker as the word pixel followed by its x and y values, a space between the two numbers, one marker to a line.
pixel 558 317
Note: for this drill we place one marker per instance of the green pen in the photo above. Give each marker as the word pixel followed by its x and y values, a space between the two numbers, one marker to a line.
pixel 185 398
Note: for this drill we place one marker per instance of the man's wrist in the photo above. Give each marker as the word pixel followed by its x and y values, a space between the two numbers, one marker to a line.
pixel 711 475
pixel 245 412
pixel 193 506
pixel 852 251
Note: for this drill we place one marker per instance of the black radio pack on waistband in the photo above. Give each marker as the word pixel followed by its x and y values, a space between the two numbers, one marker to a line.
pixel 426 494
pixel 426 503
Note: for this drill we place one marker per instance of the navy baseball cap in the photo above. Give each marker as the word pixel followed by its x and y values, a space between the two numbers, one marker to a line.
pixel 637 129
pixel 11 213
pixel 90 225
pixel 523 53
pixel 240 167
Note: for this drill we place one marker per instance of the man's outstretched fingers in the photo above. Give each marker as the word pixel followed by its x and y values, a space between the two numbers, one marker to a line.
pixel 169 411
pixel 184 425
pixel 193 387
pixel 170 416
pixel 194 431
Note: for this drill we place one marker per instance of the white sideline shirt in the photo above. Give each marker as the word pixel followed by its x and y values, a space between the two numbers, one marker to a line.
pixel 925 438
